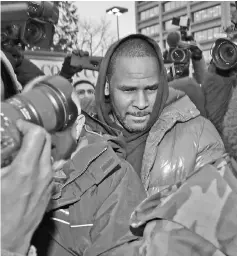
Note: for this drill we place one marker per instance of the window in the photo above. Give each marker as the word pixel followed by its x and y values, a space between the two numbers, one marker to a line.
pixel 173 5
pixel 167 7
pixel 207 34
pixel 216 11
pixel 147 14
pixel 207 13
pixel 151 30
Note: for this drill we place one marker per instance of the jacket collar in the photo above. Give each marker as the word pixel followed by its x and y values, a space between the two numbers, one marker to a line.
pixel 179 108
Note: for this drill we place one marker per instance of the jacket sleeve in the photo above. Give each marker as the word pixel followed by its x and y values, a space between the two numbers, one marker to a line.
pixel 210 145
pixel 111 220
pixel 200 67
pixel 190 87
pixel 197 217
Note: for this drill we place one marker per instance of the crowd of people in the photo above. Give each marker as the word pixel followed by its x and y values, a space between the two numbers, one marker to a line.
pixel 154 171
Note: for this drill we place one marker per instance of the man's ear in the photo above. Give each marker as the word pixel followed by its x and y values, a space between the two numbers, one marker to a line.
pixel 107 88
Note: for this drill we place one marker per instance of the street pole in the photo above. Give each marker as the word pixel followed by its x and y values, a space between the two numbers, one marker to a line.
pixel 117 26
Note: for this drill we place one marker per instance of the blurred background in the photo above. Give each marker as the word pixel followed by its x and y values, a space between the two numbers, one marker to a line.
pixel 94 25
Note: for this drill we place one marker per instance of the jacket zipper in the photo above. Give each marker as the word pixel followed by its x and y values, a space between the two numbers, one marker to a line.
pixel 84 170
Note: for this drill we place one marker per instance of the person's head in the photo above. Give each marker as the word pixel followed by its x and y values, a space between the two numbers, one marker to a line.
pixel 84 88
pixel 132 83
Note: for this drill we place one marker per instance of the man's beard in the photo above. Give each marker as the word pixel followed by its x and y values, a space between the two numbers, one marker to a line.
pixel 121 121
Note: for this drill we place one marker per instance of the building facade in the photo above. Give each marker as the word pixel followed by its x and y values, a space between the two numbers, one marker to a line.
pixel 207 20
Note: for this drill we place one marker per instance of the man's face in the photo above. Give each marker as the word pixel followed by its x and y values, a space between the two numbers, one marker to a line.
pixel 85 90
pixel 133 90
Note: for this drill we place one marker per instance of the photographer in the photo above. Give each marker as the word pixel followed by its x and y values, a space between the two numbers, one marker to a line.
pixel 220 86
pixel 219 89
pixel 28 24
pixel 24 69
pixel 183 51
pixel 26 183
pixel 182 81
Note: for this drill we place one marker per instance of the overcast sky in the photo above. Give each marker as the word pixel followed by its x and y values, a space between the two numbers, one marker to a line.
pixel 97 9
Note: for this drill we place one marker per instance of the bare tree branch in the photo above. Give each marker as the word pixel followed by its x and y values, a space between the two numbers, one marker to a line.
pixel 94 37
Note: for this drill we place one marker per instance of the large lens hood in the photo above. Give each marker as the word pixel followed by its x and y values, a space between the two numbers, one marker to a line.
pixel 216 56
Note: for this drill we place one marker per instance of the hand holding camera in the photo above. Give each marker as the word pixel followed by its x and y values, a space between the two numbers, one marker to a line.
pixel 77 61
pixel 26 184
pixel 68 70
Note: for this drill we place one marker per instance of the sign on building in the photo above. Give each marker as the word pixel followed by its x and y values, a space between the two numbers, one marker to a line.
pixel 51 63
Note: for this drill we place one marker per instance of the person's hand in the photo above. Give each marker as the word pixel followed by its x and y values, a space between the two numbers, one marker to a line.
pixel 195 49
pixel 14 55
pixel 69 71
pixel 196 52
pixel 26 186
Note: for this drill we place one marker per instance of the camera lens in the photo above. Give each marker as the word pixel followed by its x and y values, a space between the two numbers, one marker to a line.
pixel 177 55
pixel 228 53
pixel 48 104
pixel 34 32
pixel 224 54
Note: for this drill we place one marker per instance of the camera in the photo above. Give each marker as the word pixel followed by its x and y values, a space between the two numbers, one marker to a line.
pixel 177 54
pixel 176 71
pixel 28 23
pixel 224 54
pixel 47 104
pixel 224 50
pixel 182 48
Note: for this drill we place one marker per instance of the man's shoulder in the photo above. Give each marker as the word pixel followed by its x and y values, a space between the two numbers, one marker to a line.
pixel 178 110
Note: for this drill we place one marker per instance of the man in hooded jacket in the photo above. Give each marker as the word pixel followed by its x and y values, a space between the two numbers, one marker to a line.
pixel 169 145
pixel 177 153
pixel 166 138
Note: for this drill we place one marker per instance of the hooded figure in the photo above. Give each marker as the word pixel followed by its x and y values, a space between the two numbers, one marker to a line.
pixel 135 141
pixel 165 137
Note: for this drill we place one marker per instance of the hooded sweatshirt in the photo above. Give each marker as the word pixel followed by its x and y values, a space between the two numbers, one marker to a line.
pixel 134 142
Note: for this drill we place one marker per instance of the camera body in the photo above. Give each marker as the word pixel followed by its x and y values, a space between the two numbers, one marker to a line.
pixel 176 71
pixel 25 23
pixel 179 53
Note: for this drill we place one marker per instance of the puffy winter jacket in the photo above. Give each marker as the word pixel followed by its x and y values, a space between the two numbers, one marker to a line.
pixel 178 144
pixel 196 217
pixel 91 210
